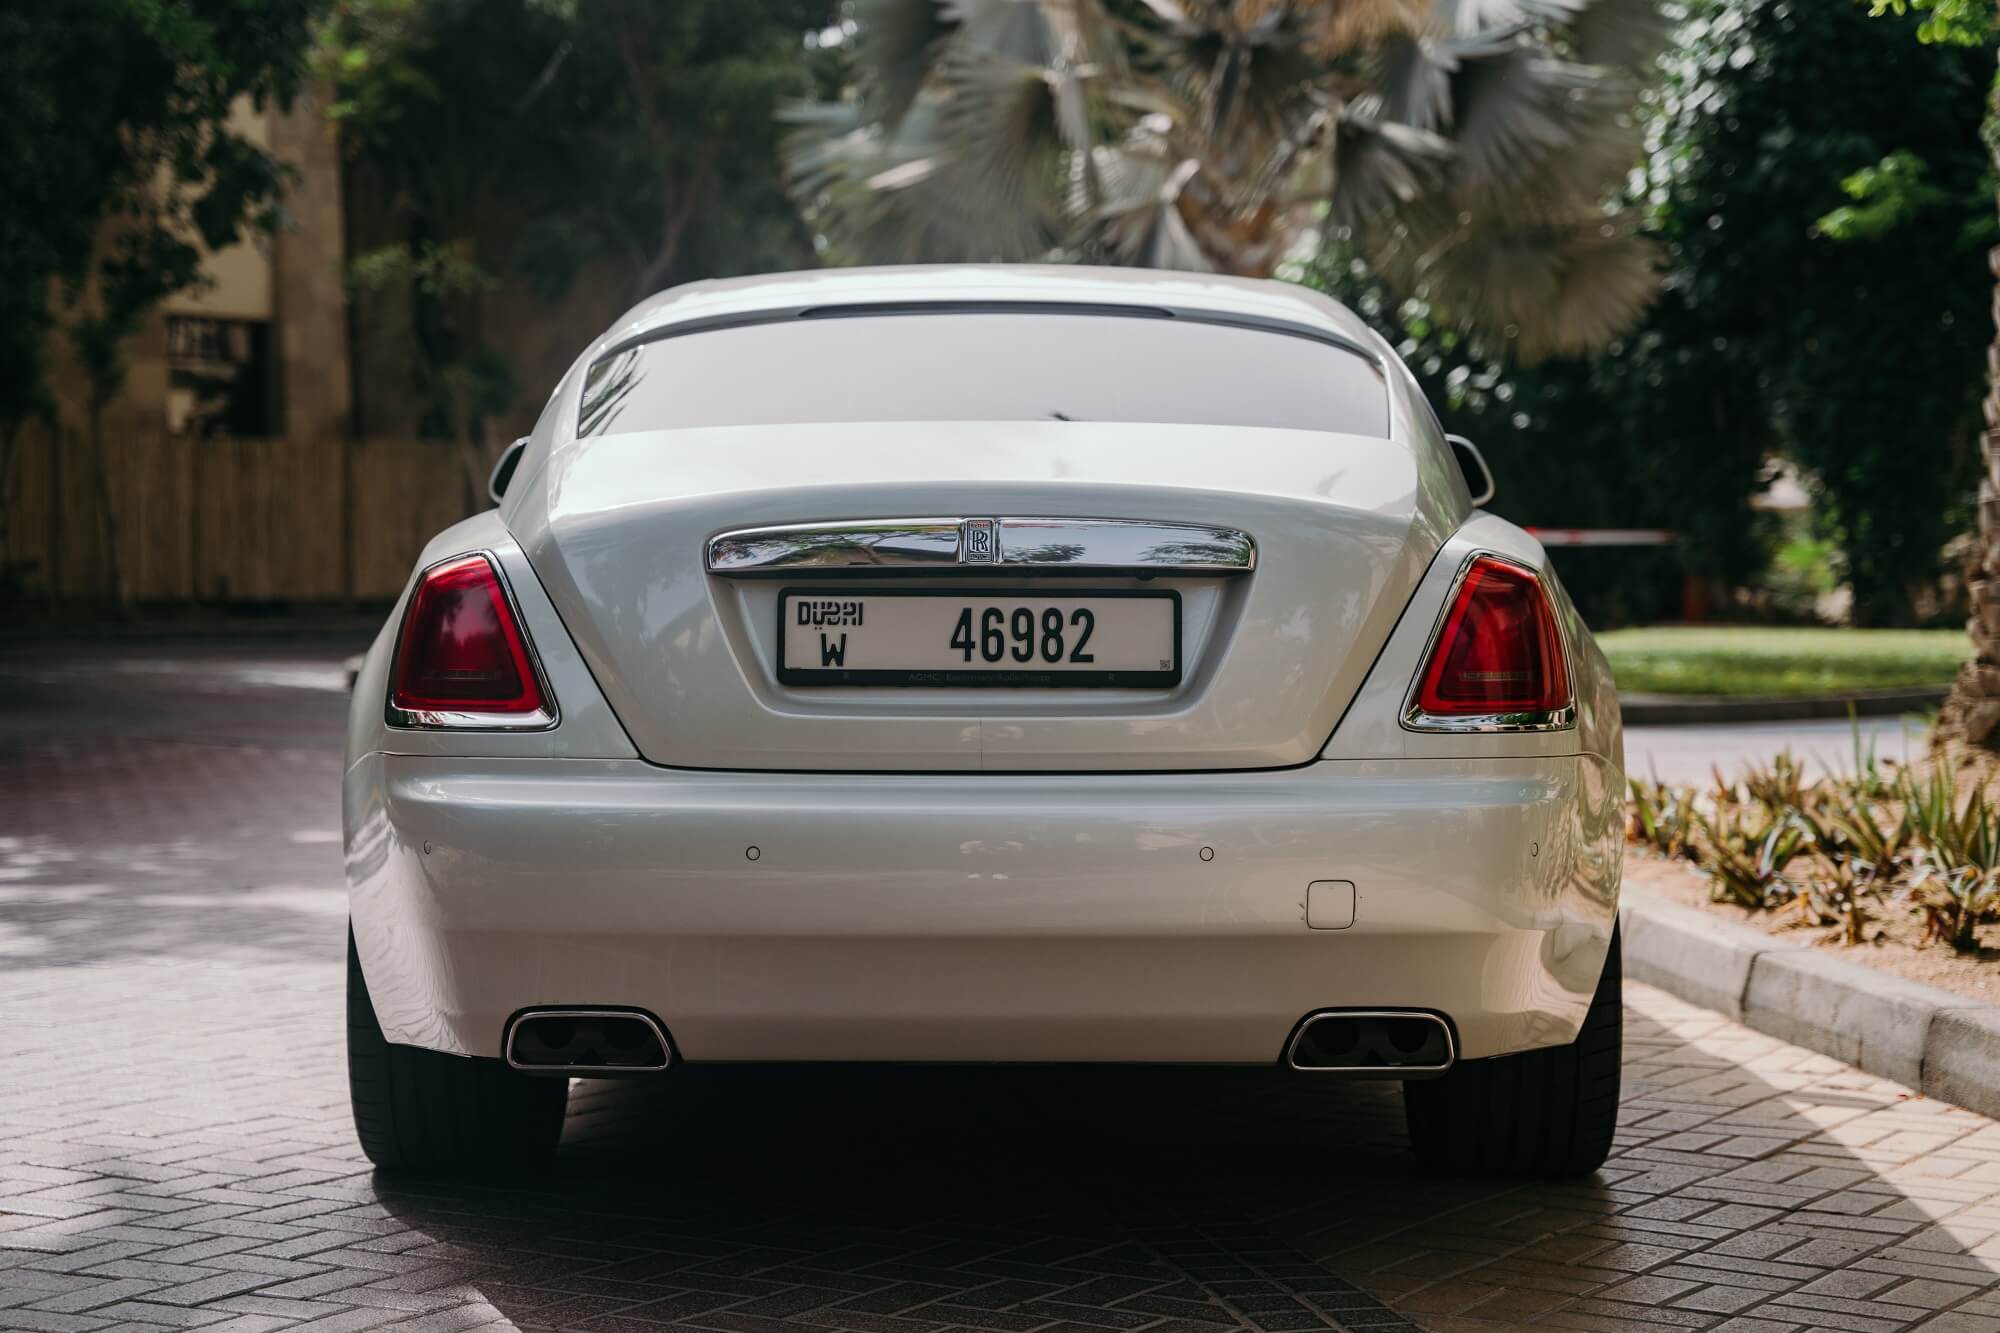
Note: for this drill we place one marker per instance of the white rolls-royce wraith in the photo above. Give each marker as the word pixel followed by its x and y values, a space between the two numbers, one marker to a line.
pixel 988 664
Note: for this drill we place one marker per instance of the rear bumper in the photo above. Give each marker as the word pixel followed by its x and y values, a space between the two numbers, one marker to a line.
pixel 766 916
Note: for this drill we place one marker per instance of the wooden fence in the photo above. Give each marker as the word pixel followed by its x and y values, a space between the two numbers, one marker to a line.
pixel 219 521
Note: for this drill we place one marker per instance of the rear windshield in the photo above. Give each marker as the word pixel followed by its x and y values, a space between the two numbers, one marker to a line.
pixel 985 366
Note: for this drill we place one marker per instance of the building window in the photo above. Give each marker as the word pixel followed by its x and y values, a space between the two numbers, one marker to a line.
pixel 219 377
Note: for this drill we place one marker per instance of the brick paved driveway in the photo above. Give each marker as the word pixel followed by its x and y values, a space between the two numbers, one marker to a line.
pixel 175 1151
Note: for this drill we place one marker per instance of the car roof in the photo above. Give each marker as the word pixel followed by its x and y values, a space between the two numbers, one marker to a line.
pixel 1255 298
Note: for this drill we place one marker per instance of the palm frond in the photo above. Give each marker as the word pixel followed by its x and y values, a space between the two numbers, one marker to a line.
pixel 1167 10
pixel 897 42
pixel 906 198
pixel 1413 80
pixel 1465 147
pixel 1515 109
pixel 1008 106
pixel 1611 275
pixel 1625 35
pixel 1379 167
pixel 1468 18
pixel 1023 31
pixel 1569 183
pixel 1550 289
pixel 1236 78
pixel 1138 221
pixel 1336 30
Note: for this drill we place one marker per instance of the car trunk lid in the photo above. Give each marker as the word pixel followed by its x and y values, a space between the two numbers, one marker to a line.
pixel 1270 649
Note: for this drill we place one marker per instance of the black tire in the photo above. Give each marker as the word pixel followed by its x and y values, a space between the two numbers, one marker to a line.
pixel 1549 1112
pixel 425 1111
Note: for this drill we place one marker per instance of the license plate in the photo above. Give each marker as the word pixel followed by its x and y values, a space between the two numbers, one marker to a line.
pixel 980 638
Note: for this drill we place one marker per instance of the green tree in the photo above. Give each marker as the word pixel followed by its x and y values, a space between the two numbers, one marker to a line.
pixel 1972 714
pixel 1958 22
pixel 443 109
pixel 681 177
pixel 1600 441
pixel 119 164
pixel 521 143
pixel 1465 149
pixel 1821 302
pixel 1866 332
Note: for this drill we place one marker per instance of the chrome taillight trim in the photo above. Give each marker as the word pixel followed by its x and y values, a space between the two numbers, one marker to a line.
pixel 431 719
pixel 1562 719
pixel 1023 545
pixel 435 719
pixel 1416 719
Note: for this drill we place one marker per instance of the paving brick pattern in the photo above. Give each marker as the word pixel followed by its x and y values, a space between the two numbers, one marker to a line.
pixel 175 1150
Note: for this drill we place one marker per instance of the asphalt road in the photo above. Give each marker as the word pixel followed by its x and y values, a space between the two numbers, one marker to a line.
pixel 175 1150
pixel 1687 754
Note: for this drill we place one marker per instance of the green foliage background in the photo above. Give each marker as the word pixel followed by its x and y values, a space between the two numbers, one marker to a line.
pixel 116 111
pixel 1871 333
pixel 514 148
pixel 1815 175
pixel 1819 185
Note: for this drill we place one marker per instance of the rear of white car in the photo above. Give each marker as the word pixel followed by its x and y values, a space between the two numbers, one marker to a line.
pixel 985 664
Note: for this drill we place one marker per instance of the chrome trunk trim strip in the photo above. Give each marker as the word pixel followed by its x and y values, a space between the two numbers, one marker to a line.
pixel 982 545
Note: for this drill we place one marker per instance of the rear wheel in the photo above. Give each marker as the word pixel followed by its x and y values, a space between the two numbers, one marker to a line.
pixel 1549 1112
pixel 419 1110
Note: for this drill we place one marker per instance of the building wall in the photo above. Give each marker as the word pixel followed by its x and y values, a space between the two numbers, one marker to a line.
pixel 282 292
pixel 309 259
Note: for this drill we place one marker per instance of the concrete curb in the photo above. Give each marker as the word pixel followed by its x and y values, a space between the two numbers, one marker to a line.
pixel 1642 710
pixel 1943 1045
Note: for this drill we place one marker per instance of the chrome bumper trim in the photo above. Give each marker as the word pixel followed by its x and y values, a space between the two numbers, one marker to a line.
pixel 982 545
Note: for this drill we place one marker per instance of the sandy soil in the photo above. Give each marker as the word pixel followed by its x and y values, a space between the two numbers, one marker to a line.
pixel 1893 934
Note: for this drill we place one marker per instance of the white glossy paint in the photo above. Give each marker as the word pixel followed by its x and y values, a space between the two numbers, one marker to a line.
pixel 688 661
pixel 980 916
pixel 1372 727
pixel 1345 526
pixel 1016 876
pixel 586 726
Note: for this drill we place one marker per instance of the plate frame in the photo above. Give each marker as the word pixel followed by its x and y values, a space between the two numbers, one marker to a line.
pixel 990 679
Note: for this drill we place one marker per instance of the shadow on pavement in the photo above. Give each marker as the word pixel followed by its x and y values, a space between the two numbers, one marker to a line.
pixel 909 1201
pixel 891 1200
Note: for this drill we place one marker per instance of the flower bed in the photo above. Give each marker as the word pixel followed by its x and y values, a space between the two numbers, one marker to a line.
pixel 1903 858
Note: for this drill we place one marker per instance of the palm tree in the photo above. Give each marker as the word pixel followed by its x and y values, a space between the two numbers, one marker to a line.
pixel 1465 149
pixel 1973 711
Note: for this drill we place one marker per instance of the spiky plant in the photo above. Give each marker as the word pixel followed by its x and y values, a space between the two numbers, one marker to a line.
pixel 1745 853
pixel 1465 148
pixel 1662 817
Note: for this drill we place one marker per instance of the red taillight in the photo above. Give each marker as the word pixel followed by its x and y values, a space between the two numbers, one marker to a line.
pixel 1499 651
pixel 461 651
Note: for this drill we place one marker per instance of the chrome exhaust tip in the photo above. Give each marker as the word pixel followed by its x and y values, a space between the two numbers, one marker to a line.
pixel 1382 1043
pixel 587 1041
